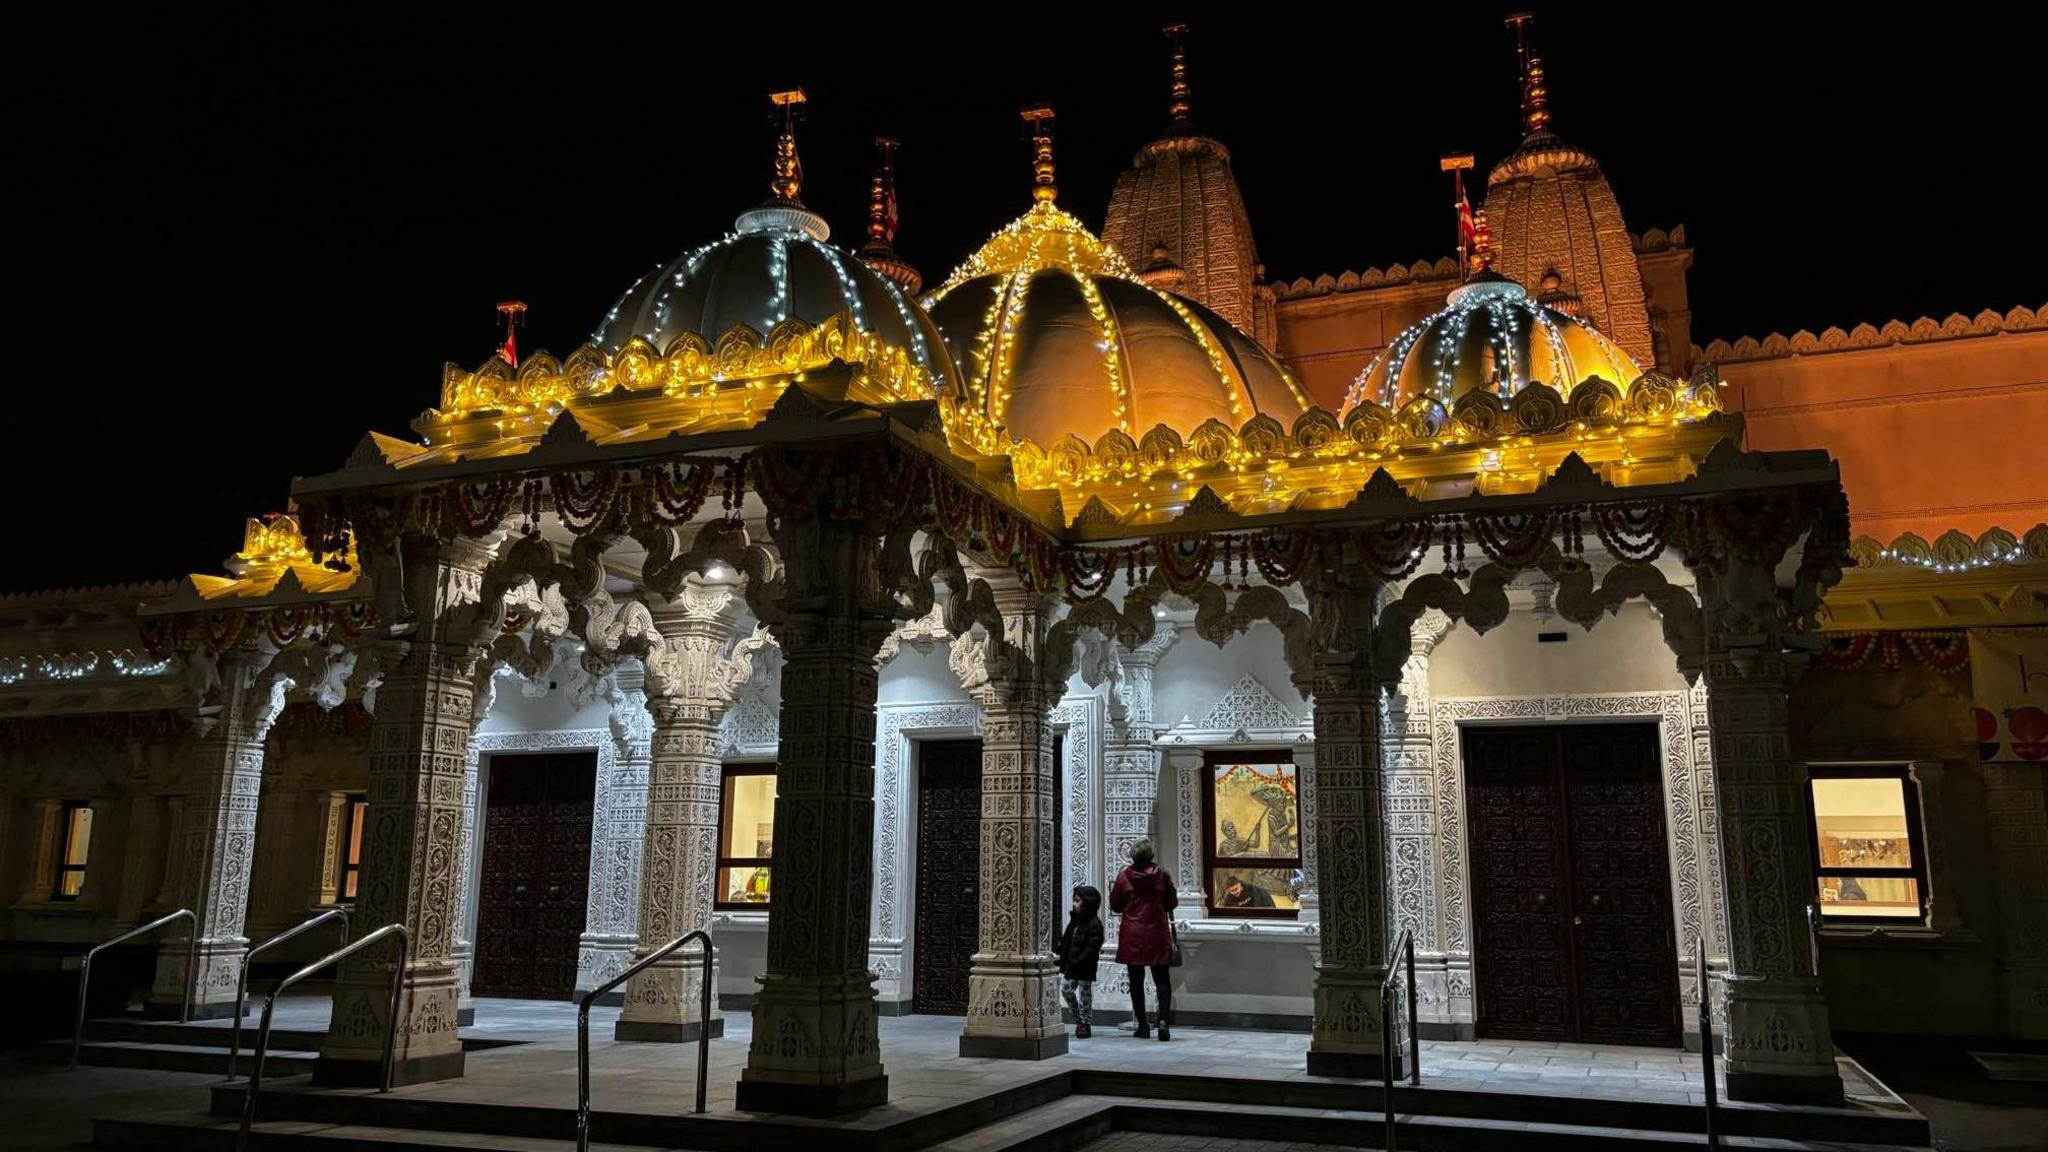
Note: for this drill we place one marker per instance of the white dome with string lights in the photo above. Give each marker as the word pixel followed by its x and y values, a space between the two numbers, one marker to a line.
pixel 1490 336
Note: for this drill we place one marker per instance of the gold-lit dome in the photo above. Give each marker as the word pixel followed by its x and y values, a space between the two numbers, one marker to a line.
pixel 1490 337
pixel 1056 336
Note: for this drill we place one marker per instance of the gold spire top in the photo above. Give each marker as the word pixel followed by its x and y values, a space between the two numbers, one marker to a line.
pixel 882 196
pixel 1535 94
pixel 1482 243
pixel 789 171
pixel 1038 121
pixel 1179 108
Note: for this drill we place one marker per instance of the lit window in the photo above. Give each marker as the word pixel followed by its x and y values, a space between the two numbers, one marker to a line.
pixel 1867 848
pixel 352 843
pixel 77 846
pixel 1252 834
pixel 746 836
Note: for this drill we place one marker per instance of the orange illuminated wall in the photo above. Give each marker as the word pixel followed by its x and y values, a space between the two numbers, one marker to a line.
pixel 1935 435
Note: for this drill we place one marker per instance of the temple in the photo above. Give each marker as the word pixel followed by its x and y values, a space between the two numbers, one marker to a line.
pixel 857 619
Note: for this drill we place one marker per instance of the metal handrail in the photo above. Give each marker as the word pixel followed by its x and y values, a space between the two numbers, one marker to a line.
pixel 583 1003
pixel 270 1002
pixel 85 971
pixel 248 959
pixel 1707 1042
pixel 1390 1048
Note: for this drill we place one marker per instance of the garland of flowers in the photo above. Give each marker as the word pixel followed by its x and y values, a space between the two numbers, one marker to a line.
pixel 1941 651
pixel 1516 539
pixel 1395 550
pixel 583 505
pixel 1184 561
pixel 481 506
pixel 1281 553
pixel 678 490
pixel 1634 532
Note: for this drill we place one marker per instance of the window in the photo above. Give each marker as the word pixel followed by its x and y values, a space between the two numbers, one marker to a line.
pixel 75 830
pixel 746 836
pixel 1867 848
pixel 356 807
pixel 1252 834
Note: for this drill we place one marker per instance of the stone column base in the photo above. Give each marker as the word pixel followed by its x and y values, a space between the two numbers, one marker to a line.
pixel 213 989
pixel 757 1095
pixel 1778 1049
pixel 1347 1039
pixel 665 1031
pixel 1015 1047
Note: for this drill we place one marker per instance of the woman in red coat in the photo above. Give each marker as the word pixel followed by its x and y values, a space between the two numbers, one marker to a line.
pixel 1143 896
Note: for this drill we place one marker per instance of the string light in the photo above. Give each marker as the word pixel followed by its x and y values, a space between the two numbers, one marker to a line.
pixel 2012 556
pixel 77 666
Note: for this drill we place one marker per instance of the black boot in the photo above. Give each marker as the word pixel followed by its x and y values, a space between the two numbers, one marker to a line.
pixel 1165 1023
pixel 1138 1014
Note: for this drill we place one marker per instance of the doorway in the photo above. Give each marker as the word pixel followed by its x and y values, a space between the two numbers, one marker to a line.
pixel 1571 897
pixel 534 885
pixel 948 874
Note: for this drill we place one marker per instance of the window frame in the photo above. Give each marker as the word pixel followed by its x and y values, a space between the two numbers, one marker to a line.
pixel 1916 841
pixel 351 803
pixel 721 861
pixel 1211 759
pixel 64 868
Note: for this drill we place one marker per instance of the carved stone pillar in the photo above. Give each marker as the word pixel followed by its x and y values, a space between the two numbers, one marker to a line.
pixel 619 838
pixel 1778 1045
pixel 815 1048
pixel 216 842
pixel 419 754
pixel 1130 763
pixel 1351 833
pixel 1013 996
pixel 692 672
pixel 2016 808
pixel 1411 815
pixel 1189 774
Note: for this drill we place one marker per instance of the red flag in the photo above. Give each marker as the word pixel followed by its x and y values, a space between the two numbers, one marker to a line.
pixel 889 210
pixel 1468 233
pixel 510 352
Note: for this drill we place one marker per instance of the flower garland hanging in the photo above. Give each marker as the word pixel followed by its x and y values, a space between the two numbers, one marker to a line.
pixel 1394 550
pixel 1280 554
pixel 584 500
pixel 1635 532
pixel 1184 561
pixel 480 506
pixel 1941 651
pixel 677 489
pixel 1516 539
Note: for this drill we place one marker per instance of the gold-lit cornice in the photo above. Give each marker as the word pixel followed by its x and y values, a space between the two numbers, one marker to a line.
pixel 272 550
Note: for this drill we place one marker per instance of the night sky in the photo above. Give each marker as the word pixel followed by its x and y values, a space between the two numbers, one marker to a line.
pixel 233 248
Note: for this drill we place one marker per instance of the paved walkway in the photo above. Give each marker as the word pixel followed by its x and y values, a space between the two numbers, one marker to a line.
pixel 921 1056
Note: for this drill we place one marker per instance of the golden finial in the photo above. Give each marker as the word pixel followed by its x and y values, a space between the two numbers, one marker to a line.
pixel 1038 121
pixel 882 196
pixel 1535 96
pixel 789 171
pixel 1482 242
pixel 1179 108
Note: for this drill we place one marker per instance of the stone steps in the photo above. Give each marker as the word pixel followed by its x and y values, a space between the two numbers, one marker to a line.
pixel 205 1058
pixel 1061 1126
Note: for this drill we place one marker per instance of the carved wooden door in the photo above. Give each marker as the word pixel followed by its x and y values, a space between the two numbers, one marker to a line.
pixel 535 876
pixel 1626 957
pixel 1570 891
pixel 1522 967
pixel 948 874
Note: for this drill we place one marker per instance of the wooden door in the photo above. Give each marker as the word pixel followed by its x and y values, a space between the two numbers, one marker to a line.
pixel 948 874
pixel 535 880
pixel 1570 891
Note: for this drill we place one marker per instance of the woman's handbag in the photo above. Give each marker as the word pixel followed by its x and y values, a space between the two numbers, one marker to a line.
pixel 1173 956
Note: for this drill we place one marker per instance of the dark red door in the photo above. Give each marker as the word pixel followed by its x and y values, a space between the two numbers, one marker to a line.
pixel 535 881
pixel 948 874
pixel 1571 894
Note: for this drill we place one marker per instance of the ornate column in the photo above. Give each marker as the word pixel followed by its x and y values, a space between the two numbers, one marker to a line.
pixel 2016 808
pixel 1778 1045
pixel 419 756
pixel 692 671
pixel 1351 835
pixel 1013 996
pixel 815 1048
pixel 215 846
pixel 1410 755
pixel 1130 763
pixel 618 833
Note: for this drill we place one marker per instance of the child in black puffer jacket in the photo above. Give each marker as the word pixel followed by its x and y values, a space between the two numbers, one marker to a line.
pixel 1080 949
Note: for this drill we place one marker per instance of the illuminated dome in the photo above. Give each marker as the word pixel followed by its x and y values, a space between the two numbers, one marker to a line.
pixel 1490 337
pixel 774 266
pixel 1055 335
